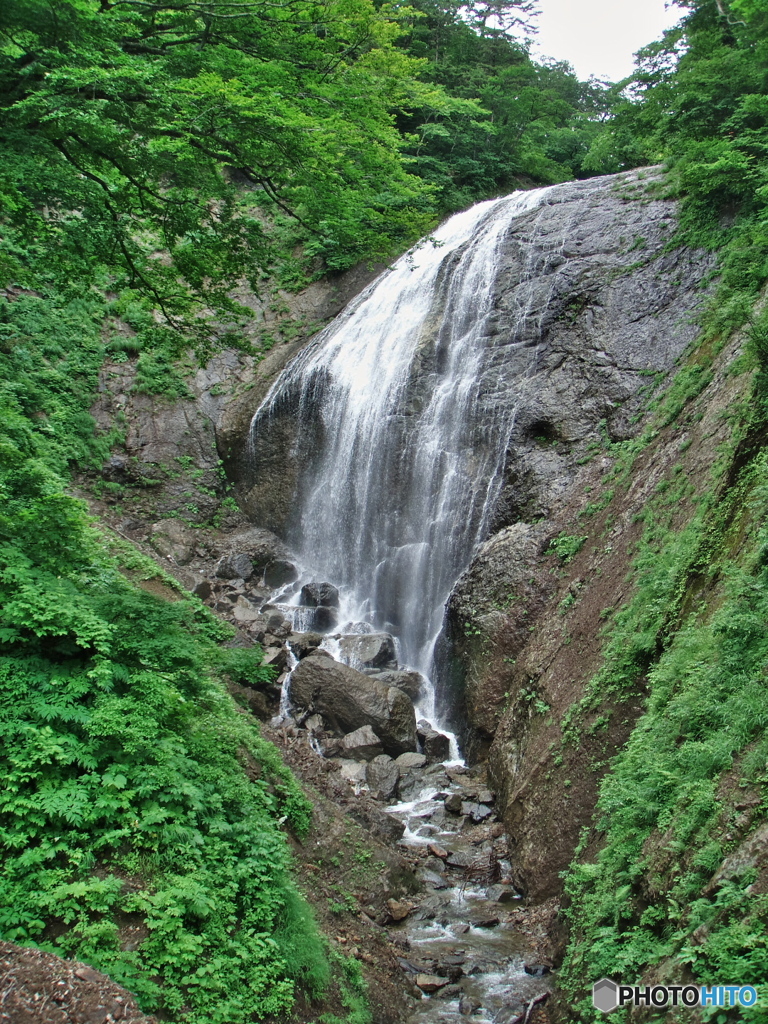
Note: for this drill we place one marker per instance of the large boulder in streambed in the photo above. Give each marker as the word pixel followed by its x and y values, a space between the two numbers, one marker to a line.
pixel 347 700
pixel 369 650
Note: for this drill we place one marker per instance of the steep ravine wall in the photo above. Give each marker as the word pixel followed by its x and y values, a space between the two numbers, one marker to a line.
pixel 530 625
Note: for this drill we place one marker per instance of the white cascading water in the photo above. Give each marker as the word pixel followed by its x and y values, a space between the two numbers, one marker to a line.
pixel 400 470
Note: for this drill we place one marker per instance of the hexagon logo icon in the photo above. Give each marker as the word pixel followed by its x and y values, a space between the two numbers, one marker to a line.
pixel 605 995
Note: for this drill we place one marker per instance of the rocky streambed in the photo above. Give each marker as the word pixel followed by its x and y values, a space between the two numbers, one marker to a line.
pixel 342 697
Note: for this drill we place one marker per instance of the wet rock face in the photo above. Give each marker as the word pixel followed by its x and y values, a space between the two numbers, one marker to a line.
pixel 587 302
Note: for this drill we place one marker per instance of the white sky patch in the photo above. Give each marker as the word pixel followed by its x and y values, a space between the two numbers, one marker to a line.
pixel 599 37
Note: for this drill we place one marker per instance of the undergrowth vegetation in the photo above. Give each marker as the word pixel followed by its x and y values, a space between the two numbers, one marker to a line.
pixel 665 897
pixel 140 812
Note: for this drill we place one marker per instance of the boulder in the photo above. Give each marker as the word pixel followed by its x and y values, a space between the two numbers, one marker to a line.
pixel 368 650
pixel 319 595
pixel 399 909
pixel 500 894
pixel 275 657
pixel 324 619
pixel 245 610
pixel 411 683
pixel 437 746
pixel 381 777
pixel 363 744
pixel 347 700
pixel 453 803
pixel 279 572
pixel 234 566
pixel 173 539
pixel 260 545
pixel 410 760
pixel 303 644
pixel 352 771
pixel 203 590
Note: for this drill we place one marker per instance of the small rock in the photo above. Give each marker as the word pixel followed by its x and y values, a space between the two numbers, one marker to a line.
pixel 88 974
pixel 434 864
pixel 430 982
pixel 477 812
pixel 460 929
pixel 433 879
pixel 399 909
pixel 486 922
pixel 449 992
pixel 437 851
pixel 467 1006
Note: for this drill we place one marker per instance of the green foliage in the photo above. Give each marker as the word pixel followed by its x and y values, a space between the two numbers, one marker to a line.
pixel 663 825
pixel 132 128
pixel 505 119
pixel 699 100
pixel 566 547
pixel 136 799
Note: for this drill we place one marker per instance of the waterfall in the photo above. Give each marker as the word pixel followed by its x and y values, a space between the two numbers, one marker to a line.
pixel 400 451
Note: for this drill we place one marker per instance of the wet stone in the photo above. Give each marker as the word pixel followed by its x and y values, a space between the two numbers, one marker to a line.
pixel 467 1006
pixel 489 921
pixel 453 803
pixel 430 982
pixel 449 992
pixel 319 595
pixel 325 619
pixel 279 572
pixel 500 894
pixel 434 864
pixel 432 879
pixel 537 970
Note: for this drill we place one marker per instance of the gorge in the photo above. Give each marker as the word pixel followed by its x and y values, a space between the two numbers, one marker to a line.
pixel 501 485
